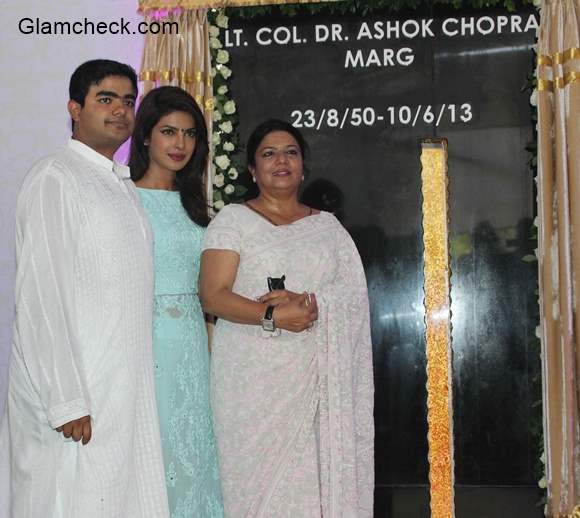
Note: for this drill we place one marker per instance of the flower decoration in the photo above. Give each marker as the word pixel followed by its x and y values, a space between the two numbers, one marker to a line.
pixel 224 139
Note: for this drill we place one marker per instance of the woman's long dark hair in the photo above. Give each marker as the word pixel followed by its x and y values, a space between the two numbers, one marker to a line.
pixel 189 181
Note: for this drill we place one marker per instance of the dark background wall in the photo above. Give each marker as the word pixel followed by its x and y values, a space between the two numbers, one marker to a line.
pixel 364 119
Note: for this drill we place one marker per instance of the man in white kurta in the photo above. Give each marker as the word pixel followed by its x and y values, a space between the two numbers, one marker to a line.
pixel 82 335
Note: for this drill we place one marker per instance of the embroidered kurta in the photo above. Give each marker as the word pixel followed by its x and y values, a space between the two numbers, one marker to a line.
pixel 82 346
pixel 293 413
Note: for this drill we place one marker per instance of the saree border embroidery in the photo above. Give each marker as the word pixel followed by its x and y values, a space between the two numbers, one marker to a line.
pixel 438 327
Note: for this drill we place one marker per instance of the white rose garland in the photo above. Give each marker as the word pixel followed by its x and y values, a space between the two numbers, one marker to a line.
pixel 230 107
pixel 222 161
pixel 224 137
pixel 223 56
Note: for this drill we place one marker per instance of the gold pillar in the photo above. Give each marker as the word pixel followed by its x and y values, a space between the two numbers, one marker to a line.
pixel 438 327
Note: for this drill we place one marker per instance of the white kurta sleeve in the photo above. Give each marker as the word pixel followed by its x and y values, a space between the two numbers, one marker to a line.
pixel 47 226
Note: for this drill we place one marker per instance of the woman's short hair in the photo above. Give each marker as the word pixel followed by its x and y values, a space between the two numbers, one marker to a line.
pixel 267 127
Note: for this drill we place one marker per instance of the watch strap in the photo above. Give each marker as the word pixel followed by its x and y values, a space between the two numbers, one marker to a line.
pixel 269 314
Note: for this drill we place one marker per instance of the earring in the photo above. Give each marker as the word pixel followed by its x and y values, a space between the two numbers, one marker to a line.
pixel 145 143
pixel 253 179
pixel 302 177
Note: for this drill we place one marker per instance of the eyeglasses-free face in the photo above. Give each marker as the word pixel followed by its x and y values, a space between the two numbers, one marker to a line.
pixel 279 164
pixel 172 142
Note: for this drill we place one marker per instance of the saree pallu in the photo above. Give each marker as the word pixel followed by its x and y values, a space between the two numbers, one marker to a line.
pixel 293 413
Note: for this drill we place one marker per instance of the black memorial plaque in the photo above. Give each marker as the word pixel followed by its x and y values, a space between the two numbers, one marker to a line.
pixel 364 91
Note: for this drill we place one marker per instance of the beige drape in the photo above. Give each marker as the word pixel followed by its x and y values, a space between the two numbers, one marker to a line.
pixel 197 4
pixel 181 59
pixel 559 247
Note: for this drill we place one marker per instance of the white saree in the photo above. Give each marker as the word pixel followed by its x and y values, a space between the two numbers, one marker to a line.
pixel 294 413
pixel 82 345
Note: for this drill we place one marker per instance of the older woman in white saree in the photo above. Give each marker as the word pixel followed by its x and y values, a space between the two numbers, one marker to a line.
pixel 292 380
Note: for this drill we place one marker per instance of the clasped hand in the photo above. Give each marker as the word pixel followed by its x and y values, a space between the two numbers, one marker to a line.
pixel 294 312
pixel 77 429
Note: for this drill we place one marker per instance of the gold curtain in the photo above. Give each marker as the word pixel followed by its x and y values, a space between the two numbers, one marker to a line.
pixel 182 59
pixel 559 247
pixel 145 5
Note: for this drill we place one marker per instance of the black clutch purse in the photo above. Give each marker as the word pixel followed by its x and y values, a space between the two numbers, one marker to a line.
pixel 276 283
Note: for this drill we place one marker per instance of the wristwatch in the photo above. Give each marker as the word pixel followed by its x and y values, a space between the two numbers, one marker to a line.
pixel 268 320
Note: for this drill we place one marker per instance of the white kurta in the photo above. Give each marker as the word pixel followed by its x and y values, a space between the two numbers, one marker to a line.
pixel 82 345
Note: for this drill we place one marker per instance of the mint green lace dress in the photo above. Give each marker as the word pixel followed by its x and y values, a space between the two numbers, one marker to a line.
pixel 182 361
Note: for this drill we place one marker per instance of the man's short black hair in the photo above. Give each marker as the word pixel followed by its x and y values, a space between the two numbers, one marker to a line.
pixel 93 72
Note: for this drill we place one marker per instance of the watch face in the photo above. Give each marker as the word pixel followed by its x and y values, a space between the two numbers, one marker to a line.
pixel 268 325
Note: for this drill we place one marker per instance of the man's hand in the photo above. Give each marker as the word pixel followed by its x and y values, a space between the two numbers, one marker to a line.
pixel 77 429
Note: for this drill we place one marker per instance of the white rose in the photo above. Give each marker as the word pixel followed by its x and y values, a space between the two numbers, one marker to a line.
pixel 225 72
pixel 214 43
pixel 226 127
pixel 213 72
pixel 229 189
pixel 215 139
pixel 223 56
pixel 222 21
pixel 537 3
pixel 228 146
pixel 217 116
pixel 222 161
pixel 218 180
pixel 233 173
pixel 534 98
pixel 543 483
pixel 230 107
pixel 214 31
pixel 222 90
pixel 219 205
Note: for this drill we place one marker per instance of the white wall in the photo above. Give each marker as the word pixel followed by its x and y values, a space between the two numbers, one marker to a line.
pixel 33 93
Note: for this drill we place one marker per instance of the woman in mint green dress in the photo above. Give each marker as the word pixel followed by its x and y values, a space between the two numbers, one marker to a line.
pixel 168 157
